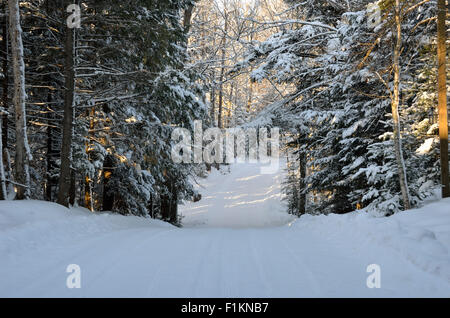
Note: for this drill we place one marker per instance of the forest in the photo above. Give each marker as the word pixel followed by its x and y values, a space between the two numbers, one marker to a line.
pixel 92 90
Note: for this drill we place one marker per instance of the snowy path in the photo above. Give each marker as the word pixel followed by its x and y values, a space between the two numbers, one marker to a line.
pixel 236 243
pixel 241 199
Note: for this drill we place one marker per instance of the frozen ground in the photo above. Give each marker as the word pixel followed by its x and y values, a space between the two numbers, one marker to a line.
pixel 236 242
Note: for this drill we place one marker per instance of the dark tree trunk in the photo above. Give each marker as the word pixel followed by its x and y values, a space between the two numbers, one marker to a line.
pixel 302 195
pixel 50 182
pixel 150 207
pixel 5 86
pixel 174 206
pixel 3 193
pixel 169 204
pixel 165 207
pixel 73 190
pixel 66 149
pixel 108 193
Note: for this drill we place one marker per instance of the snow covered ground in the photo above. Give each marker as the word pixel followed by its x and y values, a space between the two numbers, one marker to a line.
pixel 236 242
pixel 245 198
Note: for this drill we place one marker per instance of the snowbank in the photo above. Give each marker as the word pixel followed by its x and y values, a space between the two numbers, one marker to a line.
pixel 26 225
pixel 421 236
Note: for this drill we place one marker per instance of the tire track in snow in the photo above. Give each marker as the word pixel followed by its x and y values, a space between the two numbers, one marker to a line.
pixel 314 283
pixel 130 247
pixel 200 245
pixel 204 267
pixel 258 260
pixel 82 253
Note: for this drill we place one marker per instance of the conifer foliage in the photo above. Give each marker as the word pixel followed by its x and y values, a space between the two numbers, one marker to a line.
pixel 102 101
pixel 361 118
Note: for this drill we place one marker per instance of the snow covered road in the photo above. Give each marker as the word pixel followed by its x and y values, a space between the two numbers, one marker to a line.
pixel 237 242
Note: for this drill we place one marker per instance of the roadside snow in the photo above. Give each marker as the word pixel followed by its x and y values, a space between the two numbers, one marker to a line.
pixel 30 225
pixel 420 236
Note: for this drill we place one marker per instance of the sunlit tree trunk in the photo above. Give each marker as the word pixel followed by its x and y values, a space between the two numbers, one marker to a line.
pixel 88 193
pixel 108 191
pixel 442 97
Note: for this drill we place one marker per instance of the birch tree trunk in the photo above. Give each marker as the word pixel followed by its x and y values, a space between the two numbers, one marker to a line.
pixel 442 97
pixel 23 155
pixel 66 148
pixel 395 112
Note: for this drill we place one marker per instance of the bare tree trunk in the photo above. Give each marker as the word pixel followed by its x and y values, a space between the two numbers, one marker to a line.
pixel 395 112
pixel 230 106
pixel 250 94
pixel 66 148
pixel 222 72
pixel 442 97
pixel 212 97
pixel 23 155
pixel 251 83
pixel 188 17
